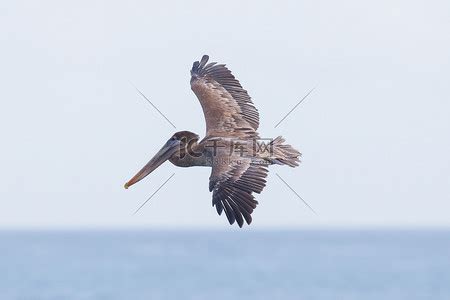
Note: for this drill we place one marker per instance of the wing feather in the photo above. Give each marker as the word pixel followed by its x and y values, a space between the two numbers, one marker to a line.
pixel 232 187
pixel 227 107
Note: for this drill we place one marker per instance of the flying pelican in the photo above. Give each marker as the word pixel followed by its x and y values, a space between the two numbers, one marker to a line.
pixel 231 147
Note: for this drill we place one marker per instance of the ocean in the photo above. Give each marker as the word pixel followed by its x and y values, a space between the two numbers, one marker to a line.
pixel 248 264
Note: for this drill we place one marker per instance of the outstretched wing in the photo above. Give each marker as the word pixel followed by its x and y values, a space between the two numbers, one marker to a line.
pixel 227 107
pixel 232 186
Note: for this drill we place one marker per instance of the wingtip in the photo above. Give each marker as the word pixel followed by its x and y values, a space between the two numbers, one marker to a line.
pixel 205 58
pixel 203 61
pixel 194 67
pixel 198 65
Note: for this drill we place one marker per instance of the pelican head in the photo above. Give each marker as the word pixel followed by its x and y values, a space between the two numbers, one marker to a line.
pixel 175 147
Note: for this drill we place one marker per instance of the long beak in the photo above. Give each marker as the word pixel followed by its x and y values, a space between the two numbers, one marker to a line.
pixel 164 154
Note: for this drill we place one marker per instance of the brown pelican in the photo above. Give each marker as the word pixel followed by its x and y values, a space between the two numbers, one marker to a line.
pixel 232 147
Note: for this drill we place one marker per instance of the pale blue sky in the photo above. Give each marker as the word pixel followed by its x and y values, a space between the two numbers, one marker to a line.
pixel 374 134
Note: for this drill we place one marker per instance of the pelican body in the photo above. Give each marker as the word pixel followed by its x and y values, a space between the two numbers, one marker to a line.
pixel 239 158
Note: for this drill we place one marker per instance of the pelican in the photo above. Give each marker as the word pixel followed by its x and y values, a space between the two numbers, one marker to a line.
pixel 238 157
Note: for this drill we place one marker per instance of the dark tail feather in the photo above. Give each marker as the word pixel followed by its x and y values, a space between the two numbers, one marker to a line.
pixel 284 154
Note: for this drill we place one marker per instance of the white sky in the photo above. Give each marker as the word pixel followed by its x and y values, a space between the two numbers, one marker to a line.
pixel 374 134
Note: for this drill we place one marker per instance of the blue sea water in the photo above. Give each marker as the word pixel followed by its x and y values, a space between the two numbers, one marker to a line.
pixel 225 265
